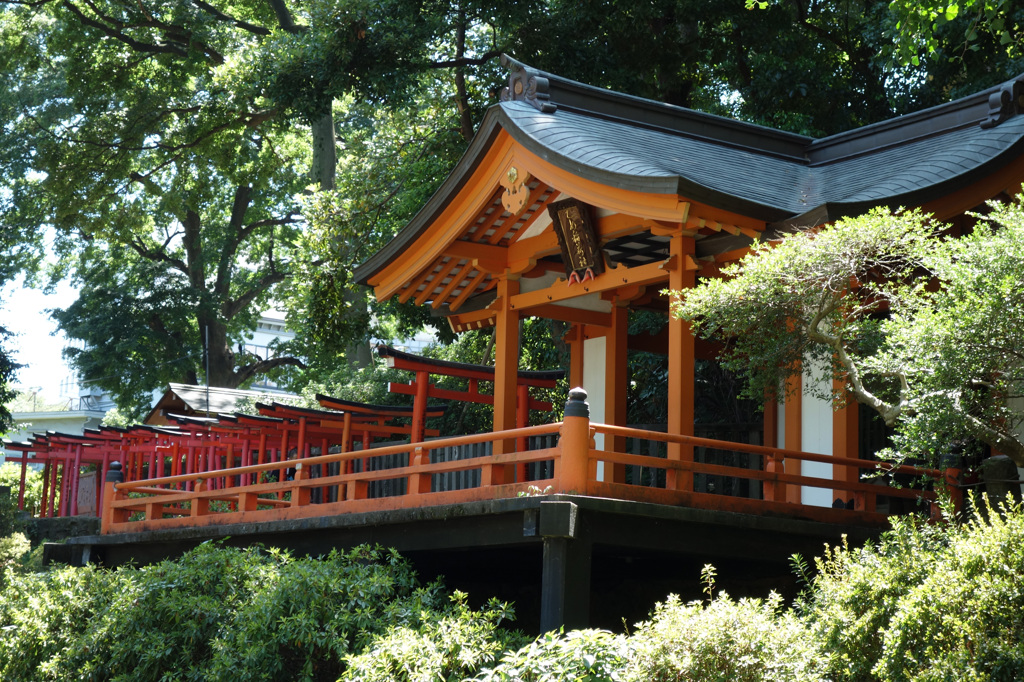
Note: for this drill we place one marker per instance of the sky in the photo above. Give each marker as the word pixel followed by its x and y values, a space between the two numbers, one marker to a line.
pixel 23 312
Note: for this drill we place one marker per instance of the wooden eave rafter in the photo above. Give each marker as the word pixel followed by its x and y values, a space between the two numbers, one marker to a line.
pixel 473 241
pixel 474 220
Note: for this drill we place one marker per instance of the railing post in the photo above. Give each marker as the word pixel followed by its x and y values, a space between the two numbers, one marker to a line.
pixel 200 505
pixel 300 493
pixel 574 444
pixel 419 483
pixel 110 495
pixel 774 490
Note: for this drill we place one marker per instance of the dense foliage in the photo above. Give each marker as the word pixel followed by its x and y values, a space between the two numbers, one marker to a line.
pixel 926 602
pixel 924 330
pixel 8 369
pixel 196 164
pixel 214 614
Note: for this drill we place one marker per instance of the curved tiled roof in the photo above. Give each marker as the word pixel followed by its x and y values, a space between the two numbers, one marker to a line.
pixel 765 174
pixel 762 183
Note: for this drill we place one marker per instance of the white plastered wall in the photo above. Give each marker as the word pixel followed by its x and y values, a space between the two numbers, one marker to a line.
pixel 594 382
pixel 816 425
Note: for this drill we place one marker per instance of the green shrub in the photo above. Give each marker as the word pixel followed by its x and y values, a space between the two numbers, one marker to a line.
pixel 215 614
pixel 10 475
pixel 965 620
pixel 926 602
pixel 44 615
pixel 307 615
pixel 165 617
pixel 13 549
pixel 856 591
pixel 444 645
pixel 749 640
pixel 581 655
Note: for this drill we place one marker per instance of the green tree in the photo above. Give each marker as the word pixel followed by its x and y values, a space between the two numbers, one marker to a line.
pixel 167 146
pixel 852 301
pixel 923 26
pixel 8 369
pixel 10 476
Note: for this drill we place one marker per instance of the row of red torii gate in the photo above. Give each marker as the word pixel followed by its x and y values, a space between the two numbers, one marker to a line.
pixel 293 462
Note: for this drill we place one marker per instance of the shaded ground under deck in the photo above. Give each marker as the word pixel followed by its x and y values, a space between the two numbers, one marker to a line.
pixel 563 559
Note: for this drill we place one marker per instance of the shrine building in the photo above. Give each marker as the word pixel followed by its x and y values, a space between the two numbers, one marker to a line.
pixel 580 204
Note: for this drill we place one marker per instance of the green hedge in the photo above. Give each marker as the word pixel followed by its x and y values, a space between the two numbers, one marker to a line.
pixel 924 603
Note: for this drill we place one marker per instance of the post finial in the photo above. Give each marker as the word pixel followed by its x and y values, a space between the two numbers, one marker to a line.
pixel 577 405
pixel 114 473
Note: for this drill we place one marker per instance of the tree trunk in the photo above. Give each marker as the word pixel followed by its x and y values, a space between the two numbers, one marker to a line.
pixel 325 152
pixel 218 354
pixel 324 172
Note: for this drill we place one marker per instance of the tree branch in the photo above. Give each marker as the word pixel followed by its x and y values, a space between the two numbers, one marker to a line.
pixel 192 241
pixel 127 40
pixel 466 61
pixel 231 308
pixel 284 17
pixel 160 254
pixel 227 255
pixel 246 372
pixel 244 25
pixel 998 440
pixel 889 413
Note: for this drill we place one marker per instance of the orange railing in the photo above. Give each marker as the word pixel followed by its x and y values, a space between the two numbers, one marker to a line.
pixel 242 495
pixel 780 488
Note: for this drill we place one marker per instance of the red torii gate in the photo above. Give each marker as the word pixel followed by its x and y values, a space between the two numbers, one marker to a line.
pixel 421 389
pixel 200 444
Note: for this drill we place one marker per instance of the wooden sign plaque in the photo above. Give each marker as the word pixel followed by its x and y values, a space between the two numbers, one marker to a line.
pixel 574 228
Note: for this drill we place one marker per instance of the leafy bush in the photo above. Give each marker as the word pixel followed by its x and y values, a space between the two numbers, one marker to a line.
pixel 446 645
pixel 214 614
pixel 740 641
pixel 926 602
pixel 965 620
pixel 10 475
pixel 13 549
pixel 583 655
pixel 307 615
pixel 42 615
pixel 856 592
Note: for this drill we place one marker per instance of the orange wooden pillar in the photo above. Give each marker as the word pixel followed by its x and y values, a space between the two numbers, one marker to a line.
pixel 44 505
pixel 419 483
pixel 846 443
pixel 21 484
pixel 776 492
pixel 522 420
pixel 680 365
pixel 616 377
pixel 794 433
pixel 574 339
pixel 506 369
pixel 419 407
pixel 51 504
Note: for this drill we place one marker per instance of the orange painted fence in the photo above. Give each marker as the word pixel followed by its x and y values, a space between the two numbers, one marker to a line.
pixel 244 495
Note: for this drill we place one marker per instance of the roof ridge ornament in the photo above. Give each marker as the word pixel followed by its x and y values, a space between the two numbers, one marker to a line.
pixel 1005 103
pixel 525 84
